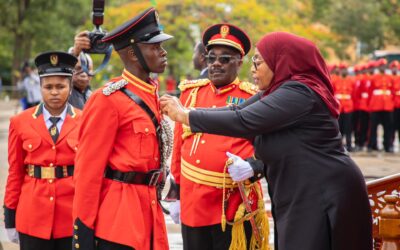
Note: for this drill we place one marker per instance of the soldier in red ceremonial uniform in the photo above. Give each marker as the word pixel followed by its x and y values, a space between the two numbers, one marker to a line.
pixel 360 101
pixel 118 165
pixel 395 67
pixel 343 88
pixel 381 106
pixel 199 159
pixel 41 150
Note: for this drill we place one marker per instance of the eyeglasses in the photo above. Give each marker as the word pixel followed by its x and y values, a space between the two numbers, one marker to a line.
pixel 256 62
pixel 223 59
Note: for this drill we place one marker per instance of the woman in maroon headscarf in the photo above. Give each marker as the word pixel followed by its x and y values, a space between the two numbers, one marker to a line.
pixel 319 198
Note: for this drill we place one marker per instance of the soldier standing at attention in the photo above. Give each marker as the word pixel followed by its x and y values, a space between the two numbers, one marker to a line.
pixel 41 150
pixel 199 159
pixel 118 164
pixel 381 106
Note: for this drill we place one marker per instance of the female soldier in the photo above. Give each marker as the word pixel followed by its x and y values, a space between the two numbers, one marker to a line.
pixel 41 151
pixel 319 198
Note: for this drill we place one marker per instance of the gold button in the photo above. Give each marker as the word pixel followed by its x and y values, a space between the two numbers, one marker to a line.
pixel 153 202
pixel 30 146
pixel 76 245
pixel 51 198
pixel 51 181
pixel 54 147
pixel 203 141
pixel 197 161
pixel 75 227
pixel 259 175
pixel 76 148
pixel 146 130
pixel 51 165
pixel 214 106
pixel 75 236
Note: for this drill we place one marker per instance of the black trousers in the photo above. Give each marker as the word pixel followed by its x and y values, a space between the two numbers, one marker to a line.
pixel 210 237
pixel 386 119
pixel 360 126
pixel 345 126
pixel 108 245
pixel 396 123
pixel 28 242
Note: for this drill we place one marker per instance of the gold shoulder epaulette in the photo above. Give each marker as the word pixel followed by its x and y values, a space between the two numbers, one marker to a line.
pixel 248 87
pixel 189 84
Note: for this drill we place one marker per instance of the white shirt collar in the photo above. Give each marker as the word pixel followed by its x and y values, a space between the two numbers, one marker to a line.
pixel 47 115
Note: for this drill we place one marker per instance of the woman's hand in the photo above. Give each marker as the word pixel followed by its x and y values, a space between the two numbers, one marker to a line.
pixel 172 107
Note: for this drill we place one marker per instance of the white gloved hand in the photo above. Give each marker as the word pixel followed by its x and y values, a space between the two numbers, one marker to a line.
pixel 240 169
pixel 175 211
pixel 12 235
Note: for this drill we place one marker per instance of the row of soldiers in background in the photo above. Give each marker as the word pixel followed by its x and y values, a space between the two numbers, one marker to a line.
pixel 368 98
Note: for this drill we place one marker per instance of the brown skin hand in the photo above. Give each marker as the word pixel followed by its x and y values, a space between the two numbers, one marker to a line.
pixel 55 92
pixel 224 74
pixel 154 54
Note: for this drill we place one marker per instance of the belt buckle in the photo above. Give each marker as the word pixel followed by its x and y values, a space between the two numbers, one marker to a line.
pixel 154 178
pixel 48 173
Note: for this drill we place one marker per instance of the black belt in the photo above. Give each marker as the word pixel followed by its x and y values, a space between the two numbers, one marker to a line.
pixel 54 172
pixel 150 178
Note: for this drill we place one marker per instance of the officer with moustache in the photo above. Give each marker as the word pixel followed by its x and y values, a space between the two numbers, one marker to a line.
pixel 209 201
pixel 119 158
pixel 42 144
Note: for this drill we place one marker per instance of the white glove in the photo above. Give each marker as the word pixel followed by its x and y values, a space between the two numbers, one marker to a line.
pixel 12 235
pixel 175 211
pixel 240 169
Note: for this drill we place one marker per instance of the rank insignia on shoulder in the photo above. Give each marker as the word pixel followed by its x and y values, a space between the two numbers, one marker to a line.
pixel 114 86
pixel 234 100
pixel 248 87
pixel 189 84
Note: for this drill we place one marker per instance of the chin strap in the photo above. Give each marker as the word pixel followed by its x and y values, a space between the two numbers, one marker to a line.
pixel 139 55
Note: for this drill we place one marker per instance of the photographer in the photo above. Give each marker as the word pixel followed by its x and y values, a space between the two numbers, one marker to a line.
pixel 83 71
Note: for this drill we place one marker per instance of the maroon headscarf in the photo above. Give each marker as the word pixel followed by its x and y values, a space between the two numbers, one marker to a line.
pixel 293 58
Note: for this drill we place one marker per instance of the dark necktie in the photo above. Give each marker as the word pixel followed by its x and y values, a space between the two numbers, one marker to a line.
pixel 53 128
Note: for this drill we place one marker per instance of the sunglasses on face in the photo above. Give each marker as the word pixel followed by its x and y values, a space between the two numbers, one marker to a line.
pixel 256 62
pixel 223 59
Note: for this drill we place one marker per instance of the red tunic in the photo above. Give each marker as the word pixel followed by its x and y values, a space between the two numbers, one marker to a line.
pixel 381 96
pixel 201 205
pixel 343 88
pixel 396 91
pixel 43 206
pixel 116 132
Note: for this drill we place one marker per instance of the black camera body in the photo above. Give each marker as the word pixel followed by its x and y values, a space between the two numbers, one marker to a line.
pixel 96 45
pixel 95 36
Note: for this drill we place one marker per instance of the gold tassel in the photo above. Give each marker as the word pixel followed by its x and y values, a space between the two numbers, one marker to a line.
pixel 262 223
pixel 238 241
pixel 223 222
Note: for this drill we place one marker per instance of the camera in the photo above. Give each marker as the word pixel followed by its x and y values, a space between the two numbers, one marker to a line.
pixel 95 36
pixel 96 45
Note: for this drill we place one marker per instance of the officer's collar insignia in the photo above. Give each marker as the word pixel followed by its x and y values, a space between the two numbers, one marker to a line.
pixel 224 31
pixel 38 111
pixel 71 111
pixel 54 60
pixel 157 18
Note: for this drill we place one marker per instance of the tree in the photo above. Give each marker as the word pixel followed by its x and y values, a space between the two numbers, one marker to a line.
pixel 33 26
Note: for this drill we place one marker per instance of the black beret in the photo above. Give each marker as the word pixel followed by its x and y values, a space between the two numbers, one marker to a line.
pixel 55 63
pixel 143 28
pixel 227 35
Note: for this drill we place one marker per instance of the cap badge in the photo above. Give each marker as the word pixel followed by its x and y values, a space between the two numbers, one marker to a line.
pixel 54 59
pixel 224 31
